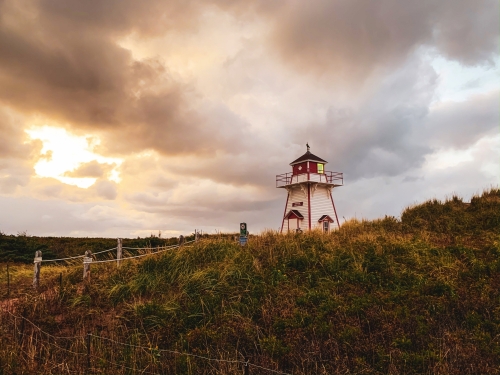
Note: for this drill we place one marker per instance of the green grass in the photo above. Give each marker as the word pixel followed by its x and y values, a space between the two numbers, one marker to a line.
pixel 410 296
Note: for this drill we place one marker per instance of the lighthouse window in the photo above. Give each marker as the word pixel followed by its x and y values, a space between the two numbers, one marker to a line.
pixel 320 168
pixel 326 226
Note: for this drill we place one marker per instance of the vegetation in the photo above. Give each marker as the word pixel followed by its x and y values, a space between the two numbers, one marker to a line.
pixel 410 296
pixel 22 248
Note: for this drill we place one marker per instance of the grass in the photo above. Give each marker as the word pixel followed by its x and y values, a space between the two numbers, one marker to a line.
pixel 410 296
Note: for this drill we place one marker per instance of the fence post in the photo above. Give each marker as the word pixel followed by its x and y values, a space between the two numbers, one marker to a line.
pixel 87 260
pixel 195 235
pixel 181 240
pixel 38 263
pixel 119 252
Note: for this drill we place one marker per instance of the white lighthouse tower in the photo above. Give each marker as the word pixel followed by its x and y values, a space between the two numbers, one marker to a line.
pixel 309 204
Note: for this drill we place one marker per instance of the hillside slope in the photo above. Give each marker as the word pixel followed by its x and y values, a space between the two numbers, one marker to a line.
pixel 410 296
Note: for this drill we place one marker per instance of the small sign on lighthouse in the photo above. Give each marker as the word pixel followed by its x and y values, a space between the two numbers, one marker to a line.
pixel 309 203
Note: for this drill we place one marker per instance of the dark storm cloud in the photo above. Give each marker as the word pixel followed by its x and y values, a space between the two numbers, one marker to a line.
pixel 256 168
pixel 169 123
pixel 62 59
pixel 467 31
pixel 12 137
pixel 71 76
pixel 353 38
pixel 71 69
pixel 121 16
pixel 392 137
pixel 461 124
pixel 380 135
pixel 16 153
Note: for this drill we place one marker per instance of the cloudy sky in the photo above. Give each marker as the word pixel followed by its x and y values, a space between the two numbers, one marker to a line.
pixel 125 118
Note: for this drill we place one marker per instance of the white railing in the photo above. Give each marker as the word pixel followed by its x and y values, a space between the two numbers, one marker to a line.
pixel 335 178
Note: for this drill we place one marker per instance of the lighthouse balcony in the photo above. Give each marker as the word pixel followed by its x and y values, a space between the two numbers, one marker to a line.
pixel 328 178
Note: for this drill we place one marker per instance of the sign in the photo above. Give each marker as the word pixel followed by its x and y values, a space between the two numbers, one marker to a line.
pixel 243 230
pixel 243 234
pixel 37 259
pixel 295 204
pixel 87 260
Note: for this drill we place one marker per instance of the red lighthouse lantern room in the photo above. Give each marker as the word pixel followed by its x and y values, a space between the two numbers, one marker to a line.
pixel 309 202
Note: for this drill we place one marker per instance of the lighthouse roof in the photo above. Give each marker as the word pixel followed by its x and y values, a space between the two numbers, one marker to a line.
pixel 308 156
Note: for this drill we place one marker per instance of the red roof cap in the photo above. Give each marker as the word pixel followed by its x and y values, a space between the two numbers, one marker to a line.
pixel 308 156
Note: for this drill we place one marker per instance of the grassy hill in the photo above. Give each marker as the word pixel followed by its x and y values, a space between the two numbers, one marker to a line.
pixel 410 296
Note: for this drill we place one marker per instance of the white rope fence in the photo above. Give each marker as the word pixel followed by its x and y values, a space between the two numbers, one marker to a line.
pixel 89 257
pixel 61 259
pixel 76 257
pixel 136 256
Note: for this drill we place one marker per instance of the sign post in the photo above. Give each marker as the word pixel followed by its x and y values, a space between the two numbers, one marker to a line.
pixel 243 234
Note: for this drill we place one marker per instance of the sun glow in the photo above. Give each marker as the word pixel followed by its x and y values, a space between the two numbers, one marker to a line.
pixel 63 153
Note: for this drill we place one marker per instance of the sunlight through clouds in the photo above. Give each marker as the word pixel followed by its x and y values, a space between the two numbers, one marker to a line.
pixel 63 152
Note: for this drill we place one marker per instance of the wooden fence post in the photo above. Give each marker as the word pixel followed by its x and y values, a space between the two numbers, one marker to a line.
pixel 38 264
pixel 181 240
pixel 195 235
pixel 119 252
pixel 87 260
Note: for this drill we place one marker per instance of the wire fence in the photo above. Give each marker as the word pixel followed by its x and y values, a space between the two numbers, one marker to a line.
pixel 76 257
pixel 89 258
pixel 38 350
pixel 140 255
pixel 118 249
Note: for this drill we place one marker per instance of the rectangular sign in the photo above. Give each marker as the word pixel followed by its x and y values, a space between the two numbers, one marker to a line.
pixel 295 204
pixel 37 259
pixel 87 260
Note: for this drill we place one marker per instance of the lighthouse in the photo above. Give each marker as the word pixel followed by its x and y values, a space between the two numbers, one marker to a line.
pixel 309 203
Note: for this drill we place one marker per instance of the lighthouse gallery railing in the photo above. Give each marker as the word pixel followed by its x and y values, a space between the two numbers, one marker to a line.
pixel 328 177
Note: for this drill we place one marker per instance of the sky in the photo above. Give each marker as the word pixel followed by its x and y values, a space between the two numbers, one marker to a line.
pixel 123 118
